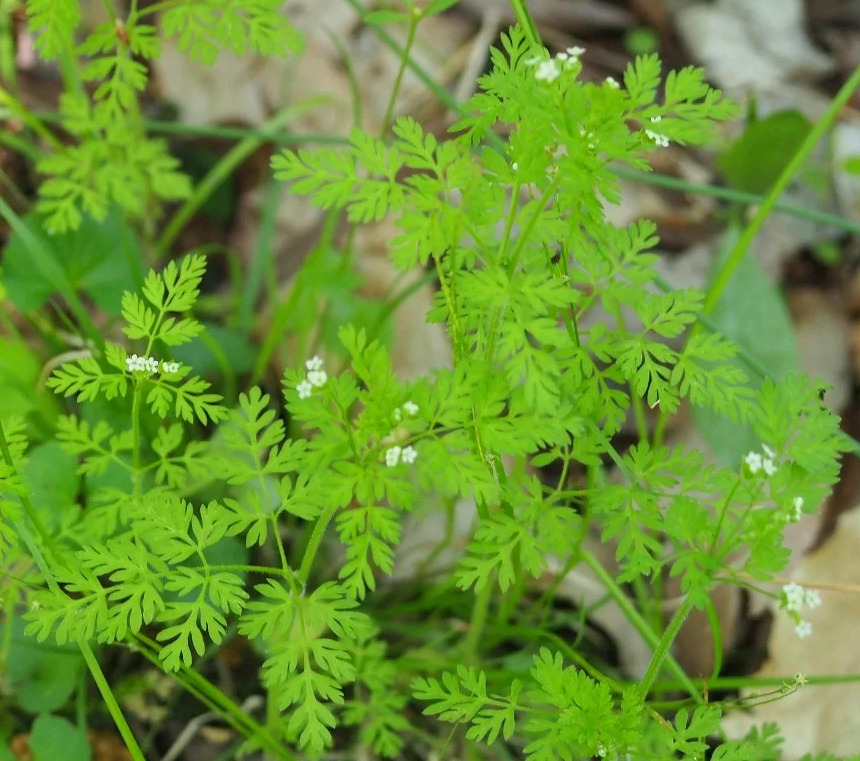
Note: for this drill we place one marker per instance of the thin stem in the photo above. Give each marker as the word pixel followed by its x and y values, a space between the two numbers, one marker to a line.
pixel 111 702
pixel 414 18
pixel 155 8
pixel 662 651
pixel 734 196
pixel 733 262
pixel 638 406
pixel 479 618
pixel 212 697
pixel 136 437
pixel 525 21
pixel 639 623
pixel 284 313
pixel 48 266
pixel 314 543
pixel 28 118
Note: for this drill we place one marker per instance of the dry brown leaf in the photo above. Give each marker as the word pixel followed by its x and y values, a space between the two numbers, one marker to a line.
pixel 756 45
pixel 823 718
pixel 823 340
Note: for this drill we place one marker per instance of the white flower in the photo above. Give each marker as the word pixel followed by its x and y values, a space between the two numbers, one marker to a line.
pixel 547 71
pixel 514 166
pixel 655 119
pixel 392 456
pixel 803 629
pixel 768 466
pixel 753 461
pixel 660 140
pixel 411 409
pixel 317 377
pixel 314 363
pixel 812 598
pixel 768 451
pixel 611 83
pixel 575 52
pixel 136 364
pixel 534 61
pixel 795 595
pixel 170 367
pixel 305 389
pixel 409 455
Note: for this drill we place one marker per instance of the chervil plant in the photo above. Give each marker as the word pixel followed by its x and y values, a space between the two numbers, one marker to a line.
pixel 314 482
pixel 111 160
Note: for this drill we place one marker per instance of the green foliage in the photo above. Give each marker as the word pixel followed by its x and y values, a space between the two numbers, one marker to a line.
pixel 42 680
pixel 753 314
pixel 203 28
pixel 100 259
pixel 54 737
pixel 756 159
pixel 112 162
pixel 180 494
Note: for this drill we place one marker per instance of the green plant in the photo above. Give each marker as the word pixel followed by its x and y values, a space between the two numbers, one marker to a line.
pixel 186 533
pixel 112 161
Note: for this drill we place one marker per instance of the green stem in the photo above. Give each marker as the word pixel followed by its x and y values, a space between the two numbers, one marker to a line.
pixel 212 697
pixel 404 60
pixel 639 623
pixel 28 118
pixel 136 437
pixel 734 196
pixel 662 651
pixel 283 316
pixel 525 21
pixel 479 618
pixel 111 702
pixel 733 262
pixel 46 263
pixel 314 542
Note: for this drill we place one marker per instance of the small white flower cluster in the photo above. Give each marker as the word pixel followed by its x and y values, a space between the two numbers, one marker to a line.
pixel 550 69
pixel 149 365
pixel 761 462
pixel 395 455
pixel 601 750
pixel 316 377
pixel 410 408
pixel 611 83
pixel 661 140
pixel 795 597
pixel 137 364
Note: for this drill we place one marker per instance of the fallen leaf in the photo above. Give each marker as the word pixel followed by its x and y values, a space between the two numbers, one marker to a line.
pixel 820 718
pixel 756 45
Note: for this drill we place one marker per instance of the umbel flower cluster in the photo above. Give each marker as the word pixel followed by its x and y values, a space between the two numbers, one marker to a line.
pixel 149 365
